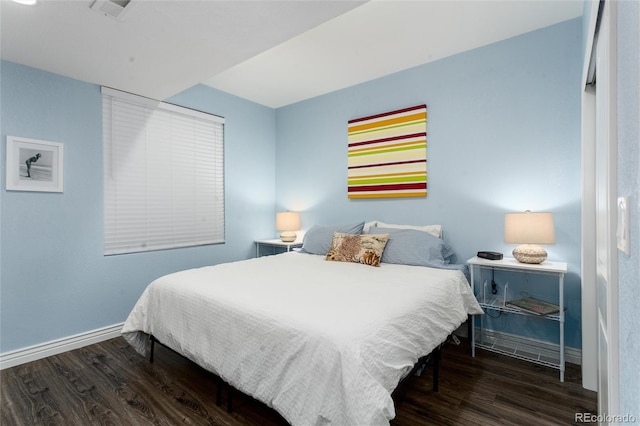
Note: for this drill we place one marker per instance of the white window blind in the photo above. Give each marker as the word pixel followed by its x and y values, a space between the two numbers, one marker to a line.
pixel 163 175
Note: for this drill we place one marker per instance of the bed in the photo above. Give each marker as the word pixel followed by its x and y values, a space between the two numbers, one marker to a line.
pixel 321 342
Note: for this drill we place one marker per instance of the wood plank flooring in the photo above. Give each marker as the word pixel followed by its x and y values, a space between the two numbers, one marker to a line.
pixel 110 384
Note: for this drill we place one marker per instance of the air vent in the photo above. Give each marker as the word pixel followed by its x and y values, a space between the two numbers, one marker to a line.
pixel 115 9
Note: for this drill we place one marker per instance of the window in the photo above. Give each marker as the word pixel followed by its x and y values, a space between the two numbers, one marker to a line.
pixel 163 175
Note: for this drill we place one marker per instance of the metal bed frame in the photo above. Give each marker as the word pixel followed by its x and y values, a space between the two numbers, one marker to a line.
pixel 433 358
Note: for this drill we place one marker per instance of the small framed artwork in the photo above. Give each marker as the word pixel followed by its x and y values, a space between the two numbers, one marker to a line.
pixel 34 165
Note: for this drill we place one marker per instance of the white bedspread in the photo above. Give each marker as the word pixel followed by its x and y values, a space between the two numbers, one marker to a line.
pixel 321 342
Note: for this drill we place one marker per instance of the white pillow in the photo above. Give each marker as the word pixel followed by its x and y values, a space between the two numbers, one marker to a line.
pixel 367 225
pixel 435 230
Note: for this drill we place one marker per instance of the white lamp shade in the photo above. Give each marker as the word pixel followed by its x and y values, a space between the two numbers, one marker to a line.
pixel 529 228
pixel 287 221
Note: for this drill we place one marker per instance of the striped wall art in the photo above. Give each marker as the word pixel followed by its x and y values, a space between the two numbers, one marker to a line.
pixel 388 154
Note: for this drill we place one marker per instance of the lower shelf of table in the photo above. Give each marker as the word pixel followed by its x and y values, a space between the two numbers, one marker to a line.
pixel 517 348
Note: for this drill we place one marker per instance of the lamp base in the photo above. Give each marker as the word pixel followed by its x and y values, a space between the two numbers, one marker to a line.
pixel 288 236
pixel 529 253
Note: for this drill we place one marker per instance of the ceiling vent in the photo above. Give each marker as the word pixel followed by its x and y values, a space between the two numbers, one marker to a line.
pixel 116 9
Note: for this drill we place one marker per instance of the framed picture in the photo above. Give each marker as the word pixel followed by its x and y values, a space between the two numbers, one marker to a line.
pixel 34 165
pixel 387 154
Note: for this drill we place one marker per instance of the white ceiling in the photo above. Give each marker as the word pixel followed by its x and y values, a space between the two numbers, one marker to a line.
pixel 271 52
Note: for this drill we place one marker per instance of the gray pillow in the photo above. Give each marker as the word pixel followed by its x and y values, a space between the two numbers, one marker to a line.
pixel 411 247
pixel 317 240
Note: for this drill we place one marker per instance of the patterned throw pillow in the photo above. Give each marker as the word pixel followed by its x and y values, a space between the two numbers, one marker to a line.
pixel 361 248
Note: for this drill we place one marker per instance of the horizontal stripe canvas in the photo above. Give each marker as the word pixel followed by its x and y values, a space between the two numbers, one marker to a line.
pixel 388 154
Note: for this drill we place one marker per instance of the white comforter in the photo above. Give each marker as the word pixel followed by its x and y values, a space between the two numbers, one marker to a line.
pixel 321 342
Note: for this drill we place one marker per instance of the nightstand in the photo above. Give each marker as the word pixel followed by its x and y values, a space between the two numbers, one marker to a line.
pixel 499 304
pixel 276 244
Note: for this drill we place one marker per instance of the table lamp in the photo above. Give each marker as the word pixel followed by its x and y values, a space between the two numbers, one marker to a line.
pixel 288 222
pixel 529 229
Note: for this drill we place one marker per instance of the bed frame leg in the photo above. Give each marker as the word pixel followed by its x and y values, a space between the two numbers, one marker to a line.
pixel 220 384
pixel 153 343
pixel 436 369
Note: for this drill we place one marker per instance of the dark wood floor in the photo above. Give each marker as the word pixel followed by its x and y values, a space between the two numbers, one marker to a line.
pixel 110 384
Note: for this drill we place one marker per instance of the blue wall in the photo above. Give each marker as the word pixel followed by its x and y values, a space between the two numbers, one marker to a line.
pixel 55 281
pixel 503 135
pixel 629 186
pixel 588 7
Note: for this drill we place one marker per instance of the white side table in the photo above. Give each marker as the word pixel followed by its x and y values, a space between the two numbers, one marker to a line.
pixel 497 304
pixel 276 243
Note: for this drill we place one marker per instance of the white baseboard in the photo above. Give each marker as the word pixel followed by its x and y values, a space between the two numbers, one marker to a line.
pixel 511 341
pixel 54 347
